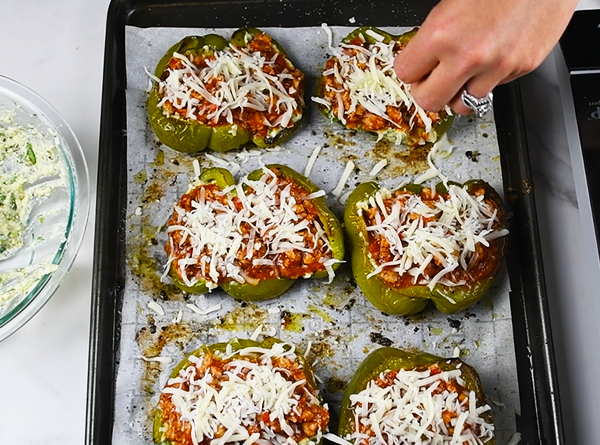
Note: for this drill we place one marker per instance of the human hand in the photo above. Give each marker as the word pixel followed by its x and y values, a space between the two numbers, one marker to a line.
pixel 474 45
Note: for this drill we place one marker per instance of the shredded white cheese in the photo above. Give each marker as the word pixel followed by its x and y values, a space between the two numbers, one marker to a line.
pixel 378 167
pixel 257 332
pixel 164 360
pixel 411 409
pixel 231 79
pixel 312 160
pixel 447 233
pixel 153 305
pixel 178 317
pixel 247 389
pixel 343 179
pixel 215 238
pixel 365 73
pixel 206 311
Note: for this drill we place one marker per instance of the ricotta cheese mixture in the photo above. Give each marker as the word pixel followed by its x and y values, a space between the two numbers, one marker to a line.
pixel 432 238
pixel 419 407
pixel 255 230
pixel 30 169
pixel 254 395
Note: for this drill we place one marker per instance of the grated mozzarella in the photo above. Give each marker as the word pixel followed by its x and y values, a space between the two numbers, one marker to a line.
pixel 312 160
pixel 250 386
pixel 156 307
pixel 317 194
pixel 378 167
pixel 178 317
pixel 343 179
pixel 365 73
pixel 206 311
pixel 410 411
pixel 213 240
pixel 165 360
pixel 232 79
pixel 447 233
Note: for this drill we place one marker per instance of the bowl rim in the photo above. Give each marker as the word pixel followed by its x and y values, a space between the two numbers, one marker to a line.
pixel 79 182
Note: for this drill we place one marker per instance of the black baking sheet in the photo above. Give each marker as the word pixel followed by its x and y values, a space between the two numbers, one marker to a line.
pixel 539 420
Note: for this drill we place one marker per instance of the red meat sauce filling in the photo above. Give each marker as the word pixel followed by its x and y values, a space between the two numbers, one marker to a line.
pixel 484 265
pixel 290 264
pixel 247 118
pixel 361 118
pixel 387 379
pixel 307 419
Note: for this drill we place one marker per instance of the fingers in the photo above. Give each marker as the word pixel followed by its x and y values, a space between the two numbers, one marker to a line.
pixel 461 46
pixel 433 92
pixel 414 63
pixel 435 84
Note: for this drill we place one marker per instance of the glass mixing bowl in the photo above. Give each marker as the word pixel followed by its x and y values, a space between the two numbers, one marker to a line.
pixel 44 203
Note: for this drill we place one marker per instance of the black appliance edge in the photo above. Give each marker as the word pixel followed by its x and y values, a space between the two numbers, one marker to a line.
pixel 540 417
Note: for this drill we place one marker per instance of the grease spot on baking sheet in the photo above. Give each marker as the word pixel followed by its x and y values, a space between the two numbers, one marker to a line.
pixel 140 177
pixel 321 313
pixel 247 316
pixel 380 339
pixel 152 344
pixel 145 251
pixel 402 161
pixel 293 321
pixel 145 267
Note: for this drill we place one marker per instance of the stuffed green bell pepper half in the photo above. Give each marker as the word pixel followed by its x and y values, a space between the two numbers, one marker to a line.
pixel 253 239
pixel 241 392
pixel 397 397
pixel 360 90
pixel 417 244
pixel 210 93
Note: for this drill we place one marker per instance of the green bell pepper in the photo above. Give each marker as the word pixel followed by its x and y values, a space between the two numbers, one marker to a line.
pixel 160 424
pixel 412 137
pixel 268 288
pixel 393 359
pixel 190 135
pixel 222 178
pixel 414 298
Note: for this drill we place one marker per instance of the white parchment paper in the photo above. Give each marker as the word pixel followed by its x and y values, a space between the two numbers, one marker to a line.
pixel 333 321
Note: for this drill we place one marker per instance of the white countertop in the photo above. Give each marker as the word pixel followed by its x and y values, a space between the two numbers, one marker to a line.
pixel 57 49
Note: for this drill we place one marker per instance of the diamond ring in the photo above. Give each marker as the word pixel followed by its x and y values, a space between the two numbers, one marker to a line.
pixel 480 105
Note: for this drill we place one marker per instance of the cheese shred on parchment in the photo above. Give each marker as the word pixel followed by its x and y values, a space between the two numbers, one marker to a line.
pixel 412 410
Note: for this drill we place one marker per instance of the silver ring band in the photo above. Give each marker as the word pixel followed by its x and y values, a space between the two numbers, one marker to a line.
pixel 480 105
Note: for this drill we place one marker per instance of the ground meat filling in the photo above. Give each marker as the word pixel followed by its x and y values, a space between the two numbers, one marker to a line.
pixel 234 399
pixel 450 238
pixel 255 88
pixel 425 406
pixel 361 89
pixel 271 229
